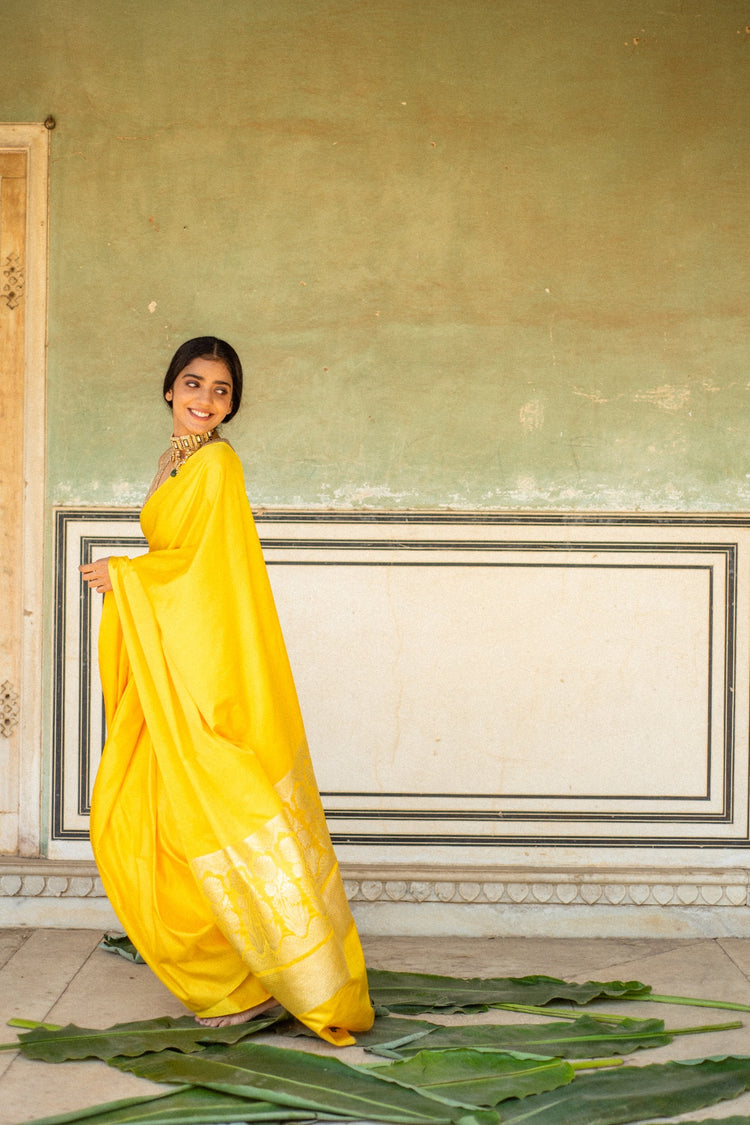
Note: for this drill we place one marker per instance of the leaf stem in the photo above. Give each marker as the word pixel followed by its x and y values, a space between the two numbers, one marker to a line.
pixel 561 1013
pixel 32 1025
pixel 590 1064
pixel 691 1001
pixel 707 1027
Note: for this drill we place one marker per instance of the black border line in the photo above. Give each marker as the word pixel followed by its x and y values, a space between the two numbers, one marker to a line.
pixel 63 519
pixel 57 831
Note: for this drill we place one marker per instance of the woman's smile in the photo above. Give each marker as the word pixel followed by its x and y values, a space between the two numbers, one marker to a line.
pixel 201 396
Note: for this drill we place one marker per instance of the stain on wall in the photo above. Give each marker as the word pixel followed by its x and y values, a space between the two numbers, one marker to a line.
pixel 473 254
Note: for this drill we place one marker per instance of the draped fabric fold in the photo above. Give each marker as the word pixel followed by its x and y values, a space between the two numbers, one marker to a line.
pixel 206 821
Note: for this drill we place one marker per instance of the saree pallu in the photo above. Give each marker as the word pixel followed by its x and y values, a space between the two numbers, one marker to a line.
pixel 206 821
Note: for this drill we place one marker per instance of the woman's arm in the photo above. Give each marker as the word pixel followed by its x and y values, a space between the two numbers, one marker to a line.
pixel 96 574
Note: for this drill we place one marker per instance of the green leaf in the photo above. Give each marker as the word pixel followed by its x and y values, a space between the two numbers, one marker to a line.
pixel 478 1078
pixel 634 1093
pixel 121 943
pixel 743 1119
pixel 389 1033
pixel 302 1080
pixel 180 1034
pixel 190 1106
pixel 421 992
pixel 583 1039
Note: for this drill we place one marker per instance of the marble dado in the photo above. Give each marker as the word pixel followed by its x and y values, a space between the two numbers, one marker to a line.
pixel 479 681
pixel 520 724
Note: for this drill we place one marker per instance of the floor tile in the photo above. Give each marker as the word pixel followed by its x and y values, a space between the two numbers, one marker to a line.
pixel 111 989
pixel 33 978
pixel 10 942
pixel 739 951
pixel 564 957
pixel 699 969
pixel 38 972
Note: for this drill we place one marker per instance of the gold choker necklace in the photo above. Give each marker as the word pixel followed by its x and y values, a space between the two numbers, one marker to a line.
pixel 188 444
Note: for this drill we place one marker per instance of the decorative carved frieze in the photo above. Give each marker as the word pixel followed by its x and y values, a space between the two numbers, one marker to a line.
pixel 38 879
pixel 570 892
pixel 46 879
pixel 51 886
pixel 8 709
pixel 14 282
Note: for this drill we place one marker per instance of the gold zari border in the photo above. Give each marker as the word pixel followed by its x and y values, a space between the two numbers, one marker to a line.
pixel 278 897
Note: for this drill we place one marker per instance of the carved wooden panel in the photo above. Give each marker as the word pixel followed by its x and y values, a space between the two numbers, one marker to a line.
pixel 13 194
pixel 24 151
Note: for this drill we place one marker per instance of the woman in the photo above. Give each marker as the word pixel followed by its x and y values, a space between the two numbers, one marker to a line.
pixel 206 821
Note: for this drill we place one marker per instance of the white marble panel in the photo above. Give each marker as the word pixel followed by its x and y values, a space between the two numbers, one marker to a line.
pixel 505 680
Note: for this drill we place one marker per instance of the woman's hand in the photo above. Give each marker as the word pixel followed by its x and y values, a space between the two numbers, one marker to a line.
pixel 96 574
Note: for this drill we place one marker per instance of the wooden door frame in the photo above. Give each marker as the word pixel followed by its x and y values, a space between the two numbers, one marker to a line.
pixel 34 140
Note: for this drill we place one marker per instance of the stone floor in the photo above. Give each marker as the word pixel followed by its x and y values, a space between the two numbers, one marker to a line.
pixel 61 976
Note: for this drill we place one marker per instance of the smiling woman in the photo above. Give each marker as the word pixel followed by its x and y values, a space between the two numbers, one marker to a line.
pixel 206 820
pixel 201 396
pixel 203 384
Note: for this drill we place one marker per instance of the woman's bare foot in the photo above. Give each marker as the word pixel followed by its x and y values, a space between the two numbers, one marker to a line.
pixel 238 1017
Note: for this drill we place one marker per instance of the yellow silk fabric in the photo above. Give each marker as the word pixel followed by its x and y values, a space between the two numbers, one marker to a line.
pixel 206 820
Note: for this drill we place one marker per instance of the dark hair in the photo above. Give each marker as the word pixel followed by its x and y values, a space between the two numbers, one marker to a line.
pixel 207 347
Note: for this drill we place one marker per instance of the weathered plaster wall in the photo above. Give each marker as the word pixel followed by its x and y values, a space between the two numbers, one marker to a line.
pixel 474 253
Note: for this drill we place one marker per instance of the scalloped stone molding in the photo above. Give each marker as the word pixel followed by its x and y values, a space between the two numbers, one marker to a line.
pixel 534 887
pixel 44 879
pixel 557 890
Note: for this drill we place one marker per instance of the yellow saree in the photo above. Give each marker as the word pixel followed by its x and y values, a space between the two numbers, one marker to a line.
pixel 206 821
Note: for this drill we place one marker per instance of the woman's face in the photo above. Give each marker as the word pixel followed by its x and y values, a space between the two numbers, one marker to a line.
pixel 201 396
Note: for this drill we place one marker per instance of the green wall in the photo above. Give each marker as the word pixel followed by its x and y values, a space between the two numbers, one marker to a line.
pixel 473 253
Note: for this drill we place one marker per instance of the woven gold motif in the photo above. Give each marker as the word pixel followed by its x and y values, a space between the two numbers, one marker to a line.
pixel 270 892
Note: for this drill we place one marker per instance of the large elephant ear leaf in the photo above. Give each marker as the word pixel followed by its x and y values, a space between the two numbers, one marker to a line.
pixel 584 1038
pixel 422 992
pixel 319 1084
pixel 478 1078
pixel 140 1038
pixel 635 1093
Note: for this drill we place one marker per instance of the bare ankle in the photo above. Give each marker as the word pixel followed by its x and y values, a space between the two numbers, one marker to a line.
pixel 237 1017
